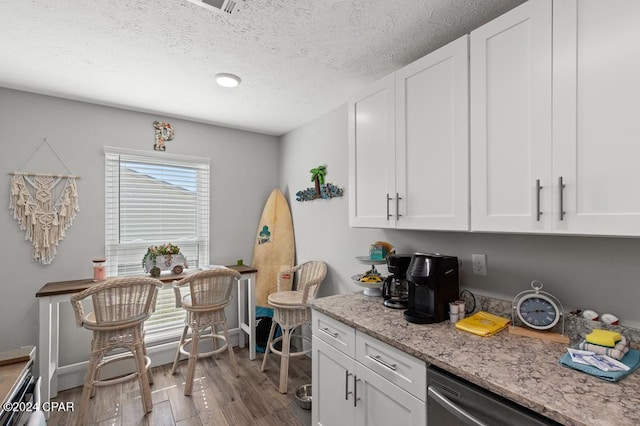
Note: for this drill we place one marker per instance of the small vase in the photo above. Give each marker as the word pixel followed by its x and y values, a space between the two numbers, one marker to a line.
pixel 155 272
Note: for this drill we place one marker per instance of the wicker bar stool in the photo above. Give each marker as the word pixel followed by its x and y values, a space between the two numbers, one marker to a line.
pixel 210 293
pixel 291 310
pixel 120 307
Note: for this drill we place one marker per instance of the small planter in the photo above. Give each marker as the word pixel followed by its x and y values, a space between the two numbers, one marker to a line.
pixel 174 262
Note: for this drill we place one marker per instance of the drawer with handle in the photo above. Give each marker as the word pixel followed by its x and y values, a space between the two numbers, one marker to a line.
pixel 337 334
pixel 400 368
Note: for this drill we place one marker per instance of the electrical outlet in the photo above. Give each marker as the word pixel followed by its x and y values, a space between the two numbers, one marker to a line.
pixel 479 262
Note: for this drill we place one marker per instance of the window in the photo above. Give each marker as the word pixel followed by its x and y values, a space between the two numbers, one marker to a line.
pixel 152 199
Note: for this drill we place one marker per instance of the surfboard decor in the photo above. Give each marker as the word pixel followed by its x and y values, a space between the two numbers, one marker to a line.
pixel 274 248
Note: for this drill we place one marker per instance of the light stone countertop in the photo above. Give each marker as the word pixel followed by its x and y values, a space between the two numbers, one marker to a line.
pixel 522 369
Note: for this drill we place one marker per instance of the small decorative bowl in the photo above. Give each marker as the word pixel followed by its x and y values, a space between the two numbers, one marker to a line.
pixel 610 319
pixel 590 315
pixel 370 289
pixel 303 396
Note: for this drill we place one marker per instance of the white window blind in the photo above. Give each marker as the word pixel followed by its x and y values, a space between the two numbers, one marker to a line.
pixel 153 199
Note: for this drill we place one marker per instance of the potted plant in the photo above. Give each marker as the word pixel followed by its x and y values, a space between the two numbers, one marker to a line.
pixel 164 257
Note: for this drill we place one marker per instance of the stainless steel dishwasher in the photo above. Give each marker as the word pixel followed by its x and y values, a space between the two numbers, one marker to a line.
pixel 452 401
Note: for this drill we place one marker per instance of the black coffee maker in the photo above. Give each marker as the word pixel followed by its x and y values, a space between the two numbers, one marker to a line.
pixel 433 283
pixel 395 290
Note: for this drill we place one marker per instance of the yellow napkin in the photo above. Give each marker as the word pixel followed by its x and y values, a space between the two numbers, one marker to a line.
pixel 603 337
pixel 482 323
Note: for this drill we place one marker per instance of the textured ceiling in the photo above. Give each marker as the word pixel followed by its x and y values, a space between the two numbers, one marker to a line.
pixel 297 58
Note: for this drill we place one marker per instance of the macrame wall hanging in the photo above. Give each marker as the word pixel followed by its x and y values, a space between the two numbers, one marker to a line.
pixel 44 215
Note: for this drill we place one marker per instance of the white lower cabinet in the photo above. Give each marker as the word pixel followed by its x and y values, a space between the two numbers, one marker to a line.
pixel 332 393
pixel 388 387
pixel 381 403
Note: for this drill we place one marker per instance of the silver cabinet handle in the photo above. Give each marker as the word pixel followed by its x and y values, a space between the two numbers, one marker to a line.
pixel 561 186
pixel 327 331
pixel 379 360
pixel 453 408
pixel 346 385
pixel 538 189
pixel 398 198
pixel 355 390
pixel 388 199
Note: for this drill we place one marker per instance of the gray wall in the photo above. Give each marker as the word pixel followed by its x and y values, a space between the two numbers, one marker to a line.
pixel 583 272
pixel 244 171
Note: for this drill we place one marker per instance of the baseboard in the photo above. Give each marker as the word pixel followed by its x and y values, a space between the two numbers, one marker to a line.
pixel 72 375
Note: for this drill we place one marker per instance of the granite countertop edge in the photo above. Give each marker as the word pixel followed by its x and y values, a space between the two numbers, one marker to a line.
pixel 524 370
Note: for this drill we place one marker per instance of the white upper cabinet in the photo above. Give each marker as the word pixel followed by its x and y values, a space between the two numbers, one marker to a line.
pixel 541 138
pixel 372 156
pixel 432 140
pixel 510 81
pixel 554 112
pixel 408 146
pixel 596 103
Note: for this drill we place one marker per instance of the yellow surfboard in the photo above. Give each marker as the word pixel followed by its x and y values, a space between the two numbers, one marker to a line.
pixel 274 248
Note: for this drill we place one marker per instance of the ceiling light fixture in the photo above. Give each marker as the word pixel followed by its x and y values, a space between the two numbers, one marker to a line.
pixel 227 80
pixel 225 6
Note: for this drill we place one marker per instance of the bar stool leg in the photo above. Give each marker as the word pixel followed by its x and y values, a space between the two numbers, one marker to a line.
pixel 232 355
pixel 193 359
pixel 96 377
pixel 268 346
pixel 284 360
pixel 214 340
pixel 177 358
pixel 87 390
pixel 143 378
pixel 149 374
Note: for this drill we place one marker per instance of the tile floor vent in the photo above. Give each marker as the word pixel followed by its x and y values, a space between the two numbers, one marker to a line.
pixel 227 7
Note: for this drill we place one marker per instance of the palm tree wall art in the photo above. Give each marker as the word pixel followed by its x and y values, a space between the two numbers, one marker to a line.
pixel 321 190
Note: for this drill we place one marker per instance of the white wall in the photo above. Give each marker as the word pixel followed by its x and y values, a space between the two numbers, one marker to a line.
pixel 584 272
pixel 244 171
pixel 321 227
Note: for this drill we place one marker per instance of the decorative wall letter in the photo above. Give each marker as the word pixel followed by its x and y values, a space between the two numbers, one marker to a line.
pixel 164 132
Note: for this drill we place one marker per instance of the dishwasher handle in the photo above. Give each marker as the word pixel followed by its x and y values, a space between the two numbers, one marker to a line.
pixel 453 408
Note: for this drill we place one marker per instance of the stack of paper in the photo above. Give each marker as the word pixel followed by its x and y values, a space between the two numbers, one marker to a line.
pixel 482 323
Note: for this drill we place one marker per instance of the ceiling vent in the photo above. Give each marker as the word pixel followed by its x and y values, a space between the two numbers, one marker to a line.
pixel 227 7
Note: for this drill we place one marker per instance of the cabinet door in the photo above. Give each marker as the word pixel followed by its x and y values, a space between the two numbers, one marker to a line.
pixel 372 156
pixel 332 386
pixel 510 84
pixel 432 140
pixel 596 105
pixel 381 403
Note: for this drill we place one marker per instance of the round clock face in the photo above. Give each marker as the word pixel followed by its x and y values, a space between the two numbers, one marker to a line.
pixel 538 311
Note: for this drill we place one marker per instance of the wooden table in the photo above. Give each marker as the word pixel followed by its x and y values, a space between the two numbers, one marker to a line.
pixel 51 294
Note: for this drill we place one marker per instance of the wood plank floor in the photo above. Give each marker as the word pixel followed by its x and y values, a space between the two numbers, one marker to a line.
pixel 218 398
